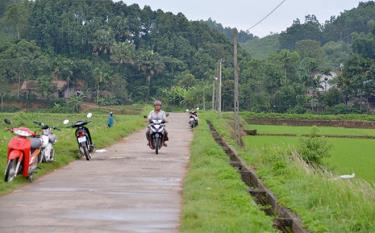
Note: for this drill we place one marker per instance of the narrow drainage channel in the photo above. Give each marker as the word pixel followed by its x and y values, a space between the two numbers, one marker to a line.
pixel 284 219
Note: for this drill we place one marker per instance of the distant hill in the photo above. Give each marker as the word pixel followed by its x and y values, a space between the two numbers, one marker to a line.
pixel 111 51
pixel 338 28
pixel 227 31
pixel 261 48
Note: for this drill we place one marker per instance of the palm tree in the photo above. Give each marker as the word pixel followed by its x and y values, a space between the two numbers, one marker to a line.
pixel 75 102
pixel 150 64
pixel 123 53
pixel 100 77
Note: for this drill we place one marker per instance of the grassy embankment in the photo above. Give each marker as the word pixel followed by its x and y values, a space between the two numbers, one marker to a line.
pixel 324 203
pixel 215 199
pixel 66 147
pixel 361 117
pixel 347 155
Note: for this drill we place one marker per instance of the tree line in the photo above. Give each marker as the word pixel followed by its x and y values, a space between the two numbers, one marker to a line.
pixel 66 52
pixel 111 52
pixel 315 67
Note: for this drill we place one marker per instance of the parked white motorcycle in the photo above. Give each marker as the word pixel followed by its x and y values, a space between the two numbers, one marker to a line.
pixel 48 140
pixel 193 117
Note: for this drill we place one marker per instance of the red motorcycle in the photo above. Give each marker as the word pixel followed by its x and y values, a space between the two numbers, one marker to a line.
pixel 23 152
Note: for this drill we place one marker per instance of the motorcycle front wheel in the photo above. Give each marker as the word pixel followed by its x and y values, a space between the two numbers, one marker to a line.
pixel 157 145
pixel 10 171
pixel 52 155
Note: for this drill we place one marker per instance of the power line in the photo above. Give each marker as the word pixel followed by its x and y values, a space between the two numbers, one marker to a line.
pixel 268 15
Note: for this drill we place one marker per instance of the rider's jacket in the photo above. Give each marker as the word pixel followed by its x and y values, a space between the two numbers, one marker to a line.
pixel 161 115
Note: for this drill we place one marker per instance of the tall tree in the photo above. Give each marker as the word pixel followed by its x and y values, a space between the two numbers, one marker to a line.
pixel 16 17
pixel 150 64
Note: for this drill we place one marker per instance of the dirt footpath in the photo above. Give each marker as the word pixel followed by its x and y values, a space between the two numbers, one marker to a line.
pixel 126 189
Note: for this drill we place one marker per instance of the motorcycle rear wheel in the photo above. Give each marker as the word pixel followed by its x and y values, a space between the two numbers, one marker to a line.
pixel 10 171
pixel 86 152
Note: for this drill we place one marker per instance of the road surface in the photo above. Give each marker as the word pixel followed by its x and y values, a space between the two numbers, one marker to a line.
pixel 126 189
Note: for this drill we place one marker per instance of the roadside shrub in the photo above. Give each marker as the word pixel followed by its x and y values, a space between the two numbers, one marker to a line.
pixel 314 149
pixel 60 108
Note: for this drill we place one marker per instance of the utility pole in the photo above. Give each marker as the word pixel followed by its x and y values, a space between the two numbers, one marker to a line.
pixel 220 85
pixel 204 101
pixel 237 130
pixel 213 94
pixel 204 97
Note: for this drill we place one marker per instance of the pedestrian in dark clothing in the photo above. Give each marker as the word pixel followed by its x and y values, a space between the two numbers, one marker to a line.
pixel 111 120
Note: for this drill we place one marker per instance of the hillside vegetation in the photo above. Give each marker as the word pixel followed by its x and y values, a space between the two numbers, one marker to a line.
pixel 111 53
pixel 61 53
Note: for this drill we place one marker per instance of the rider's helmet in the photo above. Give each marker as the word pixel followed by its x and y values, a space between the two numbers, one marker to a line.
pixel 157 103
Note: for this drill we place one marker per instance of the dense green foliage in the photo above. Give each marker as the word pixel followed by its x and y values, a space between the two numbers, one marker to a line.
pixel 314 149
pixel 243 36
pixel 314 67
pixel 111 53
pixel 261 48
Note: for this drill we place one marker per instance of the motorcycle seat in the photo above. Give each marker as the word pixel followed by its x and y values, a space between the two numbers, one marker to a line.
pixel 35 143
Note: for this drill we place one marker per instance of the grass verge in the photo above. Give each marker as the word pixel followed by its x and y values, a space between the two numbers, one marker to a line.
pixel 283 116
pixel 300 130
pixel 323 203
pixel 66 146
pixel 347 156
pixel 215 199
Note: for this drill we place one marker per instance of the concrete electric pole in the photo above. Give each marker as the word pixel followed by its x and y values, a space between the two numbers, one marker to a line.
pixel 220 98
pixel 237 130
pixel 214 94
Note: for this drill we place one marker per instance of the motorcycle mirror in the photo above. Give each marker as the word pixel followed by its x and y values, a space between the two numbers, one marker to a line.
pixel 89 115
pixel 66 122
pixel 7 121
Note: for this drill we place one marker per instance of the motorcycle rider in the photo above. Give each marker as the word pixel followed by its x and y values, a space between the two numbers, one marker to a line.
pixel 194 113
pixel 157 114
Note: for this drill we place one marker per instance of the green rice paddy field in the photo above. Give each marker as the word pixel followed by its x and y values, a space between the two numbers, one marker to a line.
pixel 347 155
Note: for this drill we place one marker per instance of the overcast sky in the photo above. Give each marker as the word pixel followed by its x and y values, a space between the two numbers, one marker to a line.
pixel 244 13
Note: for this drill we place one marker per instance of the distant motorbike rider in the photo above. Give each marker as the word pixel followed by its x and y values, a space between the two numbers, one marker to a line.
pixel 157 114
pixel 193 118
pixel 194 114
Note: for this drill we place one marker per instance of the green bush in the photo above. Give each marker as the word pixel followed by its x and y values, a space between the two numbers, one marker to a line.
pixel 314 149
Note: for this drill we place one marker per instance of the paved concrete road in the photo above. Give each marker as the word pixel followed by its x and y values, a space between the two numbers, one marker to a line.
pixel 126 189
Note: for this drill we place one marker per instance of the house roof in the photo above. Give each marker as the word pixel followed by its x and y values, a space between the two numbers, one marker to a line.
pixel 29 85
pixel 60 84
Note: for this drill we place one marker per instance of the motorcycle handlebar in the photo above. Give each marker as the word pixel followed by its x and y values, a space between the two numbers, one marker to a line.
pixel 163 122
pixel 75 126
pixel 44 126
